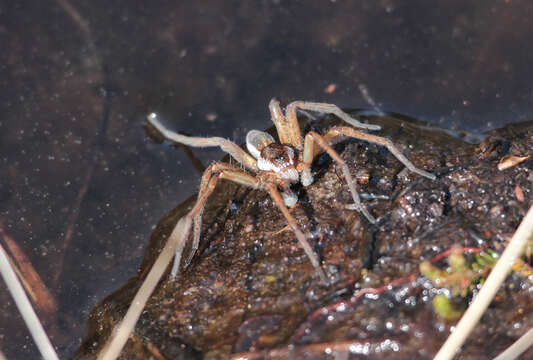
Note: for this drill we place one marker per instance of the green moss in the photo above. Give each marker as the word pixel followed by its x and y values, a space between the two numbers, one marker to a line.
pixel 445 308
pixel 460 278
pixel 270 278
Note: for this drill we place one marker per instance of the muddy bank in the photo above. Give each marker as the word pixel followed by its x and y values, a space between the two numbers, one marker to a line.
pixel 251 292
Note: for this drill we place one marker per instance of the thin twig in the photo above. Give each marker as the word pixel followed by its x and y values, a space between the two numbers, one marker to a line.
pixel 484 297
pixel 23 304
pixel 35 287
pixel 121 333
pixel 518 347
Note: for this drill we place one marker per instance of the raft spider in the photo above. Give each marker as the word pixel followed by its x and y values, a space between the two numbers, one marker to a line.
pixel 278 165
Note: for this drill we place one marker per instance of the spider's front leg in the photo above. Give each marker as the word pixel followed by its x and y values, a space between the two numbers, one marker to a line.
pixel 209 179
pixel 288 128
pixel 292 119
pixel 227 146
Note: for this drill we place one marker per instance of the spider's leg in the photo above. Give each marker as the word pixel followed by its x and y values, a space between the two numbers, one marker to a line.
pixel 287 126
pixel 228 146
pixel 276 197
pixel 347 131
pixel 184 231
pixel 197 218
pixel 281 123
pixel 307 178
pixel 292 119
pixel 289 197
pixel 209 180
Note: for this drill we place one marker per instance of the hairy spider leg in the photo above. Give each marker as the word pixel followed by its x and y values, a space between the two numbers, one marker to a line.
pixel 276 197
pixel 292 118
pixel 282 128
pixel 307 178
pixel 186 229
pixel 209 181
pixel 196 212
pixel 212 174
pixel 288 128
pixel 237 176
pixel 347 131
pixel 226 145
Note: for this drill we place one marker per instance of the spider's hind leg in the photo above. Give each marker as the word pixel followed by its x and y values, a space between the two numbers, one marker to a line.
pixel 307 178
pixel 347 131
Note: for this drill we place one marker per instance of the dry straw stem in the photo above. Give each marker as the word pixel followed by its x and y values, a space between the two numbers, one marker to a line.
pixel 23 304
pixel 489 289
pixel 121 333
pixel 518 347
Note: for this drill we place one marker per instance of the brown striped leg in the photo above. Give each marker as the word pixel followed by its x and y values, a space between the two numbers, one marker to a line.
pixel 307 178
pixel 292 120
pixel 348 131
pixel 209 181
pixel 227 146
pixel 276 197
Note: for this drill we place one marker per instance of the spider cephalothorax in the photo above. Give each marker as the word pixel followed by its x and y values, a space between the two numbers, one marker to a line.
pixel 273 166
pixel 271 156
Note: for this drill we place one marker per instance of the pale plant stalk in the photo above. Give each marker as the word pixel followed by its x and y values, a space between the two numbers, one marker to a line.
pixel 122 332
pixel 26 310
pixel 486 294
pixel 518 347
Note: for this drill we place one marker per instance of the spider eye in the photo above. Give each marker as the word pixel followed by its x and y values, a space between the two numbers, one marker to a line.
pixel 256 141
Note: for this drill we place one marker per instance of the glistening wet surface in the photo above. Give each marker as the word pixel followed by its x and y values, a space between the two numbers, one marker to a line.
pixel 82 186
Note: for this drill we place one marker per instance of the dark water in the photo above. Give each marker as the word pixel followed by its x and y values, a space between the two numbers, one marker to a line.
pixel 81 186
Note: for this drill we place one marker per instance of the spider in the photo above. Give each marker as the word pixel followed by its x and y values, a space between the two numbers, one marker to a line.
pixel 277 165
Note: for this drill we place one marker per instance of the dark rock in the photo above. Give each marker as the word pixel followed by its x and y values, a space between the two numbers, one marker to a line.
pixel 251 288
